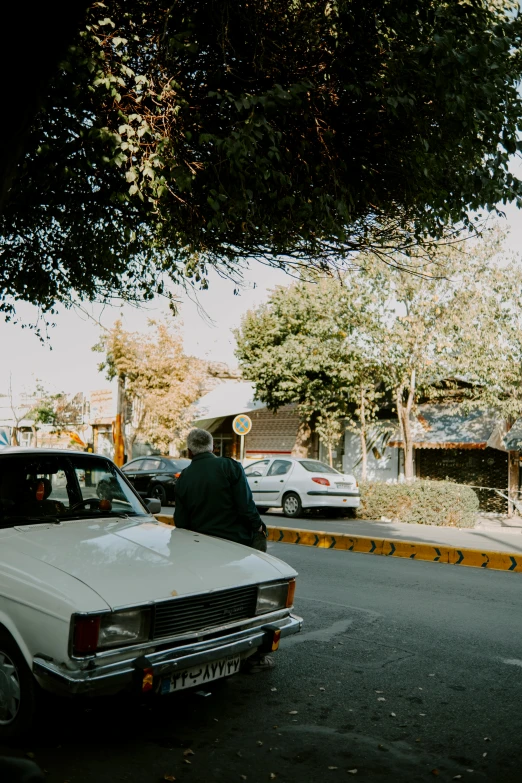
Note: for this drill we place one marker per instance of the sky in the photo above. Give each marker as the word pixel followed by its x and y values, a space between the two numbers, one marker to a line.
pixel 66 362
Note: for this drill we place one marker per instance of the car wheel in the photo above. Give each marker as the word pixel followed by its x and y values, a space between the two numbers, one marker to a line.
pixel 158 492
pixel 292 506
pixel 17 690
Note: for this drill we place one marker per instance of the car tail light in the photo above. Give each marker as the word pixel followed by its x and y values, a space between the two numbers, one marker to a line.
pixel 290 594
pixel 319 480
pixel 86 632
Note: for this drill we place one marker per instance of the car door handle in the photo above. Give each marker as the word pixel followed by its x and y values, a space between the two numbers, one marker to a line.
pixel 281 481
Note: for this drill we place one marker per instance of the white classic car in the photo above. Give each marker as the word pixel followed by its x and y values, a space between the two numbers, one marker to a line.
pixel 97 596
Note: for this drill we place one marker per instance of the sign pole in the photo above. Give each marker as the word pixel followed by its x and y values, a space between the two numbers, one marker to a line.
pixel 242 425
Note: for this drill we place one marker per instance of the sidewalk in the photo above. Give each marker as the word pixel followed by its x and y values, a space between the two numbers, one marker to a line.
pixel 489 535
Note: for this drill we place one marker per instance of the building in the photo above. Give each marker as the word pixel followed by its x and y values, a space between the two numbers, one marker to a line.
pixel 272 433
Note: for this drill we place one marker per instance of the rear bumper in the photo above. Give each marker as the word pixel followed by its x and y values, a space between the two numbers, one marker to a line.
pixel 120 675
pixel 325 499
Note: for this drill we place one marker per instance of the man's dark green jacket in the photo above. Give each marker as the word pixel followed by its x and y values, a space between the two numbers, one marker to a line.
pixel 213 497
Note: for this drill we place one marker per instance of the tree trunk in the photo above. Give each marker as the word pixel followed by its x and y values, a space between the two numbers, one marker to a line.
pixel 330 455
pixel 404 415
pixel 35 436
pixel 362 432
pixel 303 441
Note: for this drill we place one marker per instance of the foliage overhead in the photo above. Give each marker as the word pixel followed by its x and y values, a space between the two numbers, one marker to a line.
pixel 198 134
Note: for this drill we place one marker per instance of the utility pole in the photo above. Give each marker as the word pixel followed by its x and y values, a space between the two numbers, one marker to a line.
pixel 119 441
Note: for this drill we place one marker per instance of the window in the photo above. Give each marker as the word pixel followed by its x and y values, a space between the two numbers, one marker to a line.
pixel 131 467
pixel 257 469
pixel 36 488
pixel 314 466
pixel 151 464
pixel 279 467
pixel 175 465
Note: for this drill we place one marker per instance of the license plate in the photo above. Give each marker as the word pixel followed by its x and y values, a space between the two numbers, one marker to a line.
pixel 343 486
pixel 199 675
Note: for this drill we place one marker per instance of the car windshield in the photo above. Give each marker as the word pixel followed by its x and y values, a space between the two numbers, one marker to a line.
pixel 314 466
pixel 41 488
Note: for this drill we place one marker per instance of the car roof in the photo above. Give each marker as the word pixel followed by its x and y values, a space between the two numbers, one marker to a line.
pixel 10 450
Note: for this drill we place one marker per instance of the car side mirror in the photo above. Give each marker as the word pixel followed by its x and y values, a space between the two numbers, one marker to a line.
pixel 153 504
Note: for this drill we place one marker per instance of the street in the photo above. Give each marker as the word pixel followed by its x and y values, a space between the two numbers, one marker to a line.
pixel 404 671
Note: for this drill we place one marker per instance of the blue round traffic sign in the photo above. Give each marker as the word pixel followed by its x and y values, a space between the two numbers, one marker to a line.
pixel 242 424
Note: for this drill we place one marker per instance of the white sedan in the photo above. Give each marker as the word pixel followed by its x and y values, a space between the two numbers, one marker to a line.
pixel 97 596
pixel 297 484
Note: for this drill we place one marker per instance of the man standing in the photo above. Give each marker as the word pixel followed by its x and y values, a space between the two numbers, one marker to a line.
pixel 213 496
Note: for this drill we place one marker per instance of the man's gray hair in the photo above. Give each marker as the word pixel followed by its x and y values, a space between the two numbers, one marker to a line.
pixel 200 441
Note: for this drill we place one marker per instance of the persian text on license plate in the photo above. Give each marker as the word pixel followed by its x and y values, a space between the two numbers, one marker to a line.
pixel 343 486
pixel 199 675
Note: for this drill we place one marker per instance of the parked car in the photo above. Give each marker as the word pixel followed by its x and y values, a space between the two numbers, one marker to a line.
pixel 97 596
pixel 297 484
pixel 155 477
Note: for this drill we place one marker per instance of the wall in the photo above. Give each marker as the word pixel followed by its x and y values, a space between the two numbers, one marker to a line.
pixel 272 432
pixel 384 469
pixel 479 467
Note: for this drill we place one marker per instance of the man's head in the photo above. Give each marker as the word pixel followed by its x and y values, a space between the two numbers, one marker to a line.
pixel 199 442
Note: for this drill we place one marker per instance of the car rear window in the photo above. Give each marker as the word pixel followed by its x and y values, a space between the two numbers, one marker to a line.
pixel 177 465
pixel 314 466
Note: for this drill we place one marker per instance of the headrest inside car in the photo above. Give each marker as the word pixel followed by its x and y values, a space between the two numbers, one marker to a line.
pixel 43 489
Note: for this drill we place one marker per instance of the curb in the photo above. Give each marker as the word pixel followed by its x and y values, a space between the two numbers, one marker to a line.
pixel 413 550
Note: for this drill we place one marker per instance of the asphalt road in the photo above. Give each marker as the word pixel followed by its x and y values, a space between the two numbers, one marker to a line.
pixel 405 671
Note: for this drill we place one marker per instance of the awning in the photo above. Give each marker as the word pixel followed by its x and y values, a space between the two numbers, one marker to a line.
pixel 227 399
pixel 448 427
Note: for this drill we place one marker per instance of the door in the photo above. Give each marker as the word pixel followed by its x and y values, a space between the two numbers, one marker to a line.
pixel 132 470
pixel 272 485
pixel 148 470
pixel 254 474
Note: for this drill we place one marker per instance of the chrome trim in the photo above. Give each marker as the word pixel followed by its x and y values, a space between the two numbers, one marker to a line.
pixel 247 624
pixel 335 494
pixel 117 675
pixel 152 604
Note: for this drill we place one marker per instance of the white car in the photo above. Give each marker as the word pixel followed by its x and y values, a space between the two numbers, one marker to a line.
pixel 297 484
pixel 97 596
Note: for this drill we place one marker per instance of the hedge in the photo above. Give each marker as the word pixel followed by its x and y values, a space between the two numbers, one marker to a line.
pixel 421 502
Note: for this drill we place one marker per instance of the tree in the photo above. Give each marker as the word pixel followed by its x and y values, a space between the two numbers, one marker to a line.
pixel 314 345
pixel 64 413
pixel 178 137
pixel 160 382
pixel 335 347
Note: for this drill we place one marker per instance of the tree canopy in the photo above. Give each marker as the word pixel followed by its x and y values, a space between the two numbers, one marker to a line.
pixel 336 346
pixel 202 133
pixel 160 383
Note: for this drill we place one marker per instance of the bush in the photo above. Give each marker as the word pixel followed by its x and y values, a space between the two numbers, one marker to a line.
pixel 421 502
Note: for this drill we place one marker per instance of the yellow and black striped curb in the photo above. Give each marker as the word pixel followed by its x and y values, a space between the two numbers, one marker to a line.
pixel 413 550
